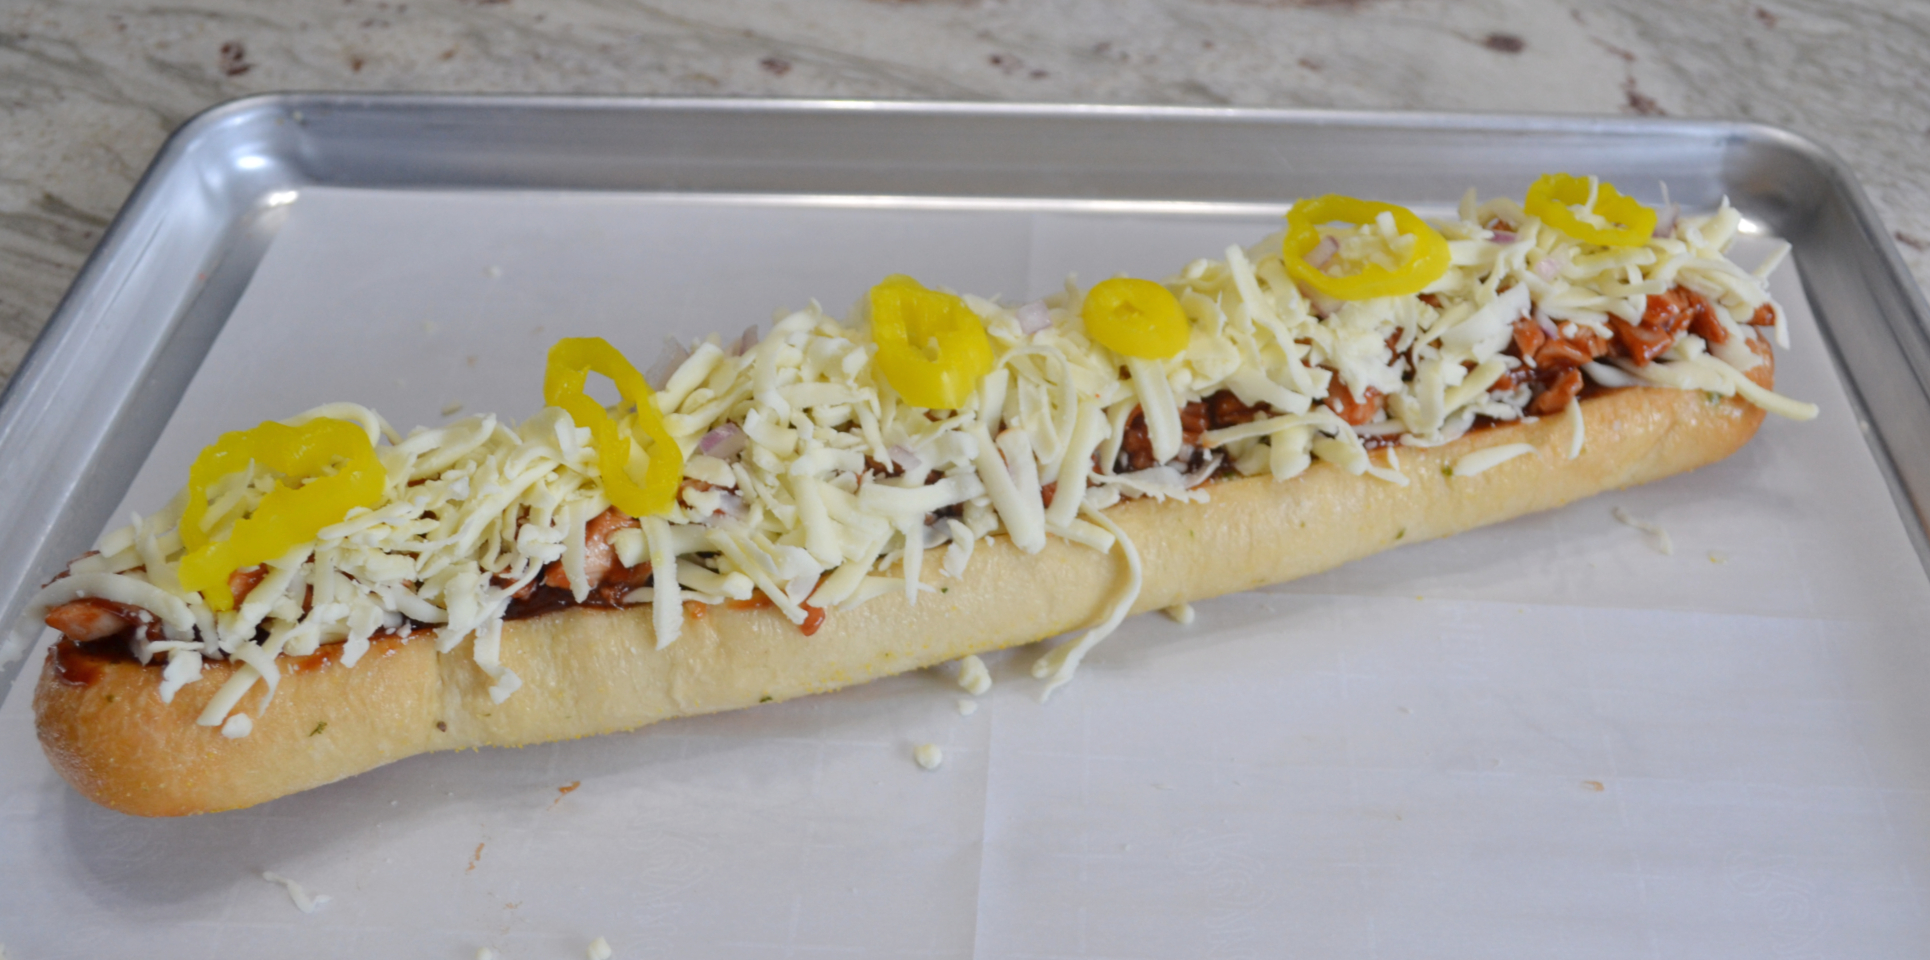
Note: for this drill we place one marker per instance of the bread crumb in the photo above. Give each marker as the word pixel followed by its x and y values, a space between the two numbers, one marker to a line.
pixel 928 756
pixel 967 706
pixel 452 408
pixel 973 676
pixel 599 949
pixel 1180 613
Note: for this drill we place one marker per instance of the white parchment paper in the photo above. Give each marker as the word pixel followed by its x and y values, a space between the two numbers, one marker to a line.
pixel 1539 739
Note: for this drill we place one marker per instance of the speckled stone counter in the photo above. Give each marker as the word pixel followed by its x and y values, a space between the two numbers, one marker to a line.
pixel 90 88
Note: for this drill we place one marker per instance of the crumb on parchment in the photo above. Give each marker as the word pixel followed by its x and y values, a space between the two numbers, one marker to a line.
pixel 928 755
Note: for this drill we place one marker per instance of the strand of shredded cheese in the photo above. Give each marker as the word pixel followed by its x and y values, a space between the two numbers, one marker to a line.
pixel 1057 667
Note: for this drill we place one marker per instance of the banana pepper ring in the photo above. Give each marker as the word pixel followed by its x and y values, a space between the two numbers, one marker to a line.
pixel 1590 210
pixel 1137 318
pixel 932 348
pixel 1425 263
pixel 571 362
pixel 289 515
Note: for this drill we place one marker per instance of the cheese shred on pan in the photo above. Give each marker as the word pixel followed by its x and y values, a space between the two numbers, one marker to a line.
pixel 810 482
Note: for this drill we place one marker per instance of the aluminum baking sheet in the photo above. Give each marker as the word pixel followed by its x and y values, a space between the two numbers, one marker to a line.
pixel 1542 737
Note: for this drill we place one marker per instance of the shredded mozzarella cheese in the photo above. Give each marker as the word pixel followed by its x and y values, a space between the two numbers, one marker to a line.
pixel 1576 437
pixel 1662 541
pixel 810 481
pixel 1057 667
pixel 300 897
pixel 1481 461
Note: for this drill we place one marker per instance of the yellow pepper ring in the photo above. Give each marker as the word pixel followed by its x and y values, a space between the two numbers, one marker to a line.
pixel 1137 318
pixel 571 361
pixel 1425 263
pixel 932 348
pixel 288 516
pixel 1554 197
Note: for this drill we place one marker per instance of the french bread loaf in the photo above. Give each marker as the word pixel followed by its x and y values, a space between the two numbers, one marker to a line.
pixel 591 671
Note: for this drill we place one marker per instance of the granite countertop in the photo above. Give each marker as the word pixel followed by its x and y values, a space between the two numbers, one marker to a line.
pixel 92 87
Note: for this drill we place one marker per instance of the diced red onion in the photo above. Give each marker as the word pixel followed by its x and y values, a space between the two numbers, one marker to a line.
pixel 1504 237
pixel 1547 267
pixel 1033 317
pixel 1323 306
pixel 1319 255
pixel 801 587
pixel 1665 222
pixel 724 442
pixel 673 356
pixel 905 459
pixel 1546 324
pixel 730 506
pixel 745 343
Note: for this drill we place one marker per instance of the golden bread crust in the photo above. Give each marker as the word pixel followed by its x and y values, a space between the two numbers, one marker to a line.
pixel 588 671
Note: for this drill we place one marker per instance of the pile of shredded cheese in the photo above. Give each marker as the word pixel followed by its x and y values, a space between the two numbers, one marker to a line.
pixel 818 486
